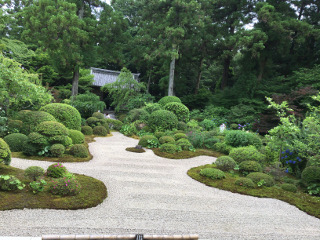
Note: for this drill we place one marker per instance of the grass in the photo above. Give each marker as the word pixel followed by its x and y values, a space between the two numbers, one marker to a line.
pixel 186 154
pixel 305 202
pixel 92 193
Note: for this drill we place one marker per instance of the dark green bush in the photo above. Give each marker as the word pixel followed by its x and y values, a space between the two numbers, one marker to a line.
pixel 93 122
pixel 258 176
pixel 225 163
pixel 289 187
pixel 35 143
pixel 34 172
pixel 234 126
pixel 76 136
pixel 128 129
pixel 312 161
pixel 168 147
pixel 5 153
pixel 50 129
pixel 100 131
pixel 65 114
pixel 184 144
pixel 57 150
pixel 207 124
pixel 222 147
pixel 250 166
pixel 144 140
pixel 167 99
pixel 212 173
pixel 10 183
pixel 245 182
pixel 210 142
pixel 114 124
pixel 178 136
pixel 159 134
pixel 15 141
pixel 57 170
pixel 166 139
pixel 182 126
pixel 179 109
pixel 98 115
pixel 311 175
pixel 105 125
pixel 238 138
pixel 137 114
pixel 249 153
pixel 65 187
pixel 162 120
pixel 151 107
pixel 86 130
pixel 15 125
pixel 79 150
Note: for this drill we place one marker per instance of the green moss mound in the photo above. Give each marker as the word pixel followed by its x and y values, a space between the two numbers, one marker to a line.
pixel 5 153
pixel 100 131
pixel 167 99
pixel 179 109
pixel 98 115
pixel 289 187
pixel 257 177
pixel 15 141
pixel 212 173
pixel 87 130
pixel 245 182
pixel 76 136
pixel 65 114
pixel 79 150
pixel 144 140
pixel 225 163
pixel 238 138
pixel 166 139
pixel 162 120
pixel 311 175
pixel 249 153
pixel 249 166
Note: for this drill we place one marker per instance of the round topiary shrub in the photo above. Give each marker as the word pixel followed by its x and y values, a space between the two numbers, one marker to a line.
pixel 34 172
pixel 5 153
pixel 57 150
pixel 159 134
pixel 100 131
pixel 93 122
pixel 212 173
pixel 113 123
pixel 65 114
pixel 245 182
pixel 86 130
pixel 31 119
pixel 258 176
pixel 98 115
pixel 65 187
pixel 162 120
pixel 105 125
pixel 10 183
pixel 249 166
pixel 222 147
pixel 182 126
pixel 168 148
pixel 79 150
pixel 184 144
pixel 144 140
pixel 151 107
pixel 225 163
pixel 179 109
pixel 15 141
pixel 249 153
pixel 311 175
pixel 50 129
pixel 178 136
pixel 167 99
pixel 15 125
pixel 76 136
pixel 238 138
pixel 166 139
pixel 56 170
pixel 289 187
pixel 34 144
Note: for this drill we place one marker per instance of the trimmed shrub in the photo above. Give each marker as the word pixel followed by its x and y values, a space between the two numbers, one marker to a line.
pixel 245 182
pixel 258 176
pixel 79 150
pixel 222 147
pixel 15 125
pixel 178 136
pixel 65 114
pixel 166 139
pixel 10 183
pixel 182 126
pixel 162 120
pixel 212 173
pixel 50 129
pixel 289 187
pixel 86 130
pixel 151 107
pixel 15 141
pixel 34 172
pixel 5 153
pixel 168 147
pixel 311 175
pixel 207 124
pixel 167 99
pixel 210 142
pixel 238 138
pixel 159 134
pixel 179 109
pixel 184 144
pixel 100 131
pixel 225 163
pixel 57 150
pixel 56 170
pixel 93 122
pixel 137 114
pixel 249 153
pixel 76 136
pixel 98 115
pixel 105 125
pixel 250 166
pixel 144 140
pixel 65 187
pixel 35 143
pixel 113 123
pixel 312 161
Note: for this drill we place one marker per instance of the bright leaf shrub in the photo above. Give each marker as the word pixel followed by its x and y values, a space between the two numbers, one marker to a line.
pixel 79 150
pixel 57 150
pixel 34 172
pixel 144 140
pixel 184 144
pixel 50 129
pixel 245 182
pixel 15 141
pixel 76 136
pixel 166 139
pixel 65 114
pixel 249 166
pixel 222 147
pixel 151 107
pixel 289 187
pixel 258 176
pixel 207 124
pixel 238 138
pixel 100 131
pixel 178 136
pixel 128 129
pixel 249 153
pixel 87 130
pixel 179 109
pixel 212 173
pixel 98 115
pixel 169 148
pixel 225 163
pixel 168 99
pixel 10 183
pixel 5 153
pixel 56 170
pixel 162 120
pixel 65 187
pixel 311 175
pixel 93 122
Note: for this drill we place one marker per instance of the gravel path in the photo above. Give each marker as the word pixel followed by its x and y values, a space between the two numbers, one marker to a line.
pixel 153 195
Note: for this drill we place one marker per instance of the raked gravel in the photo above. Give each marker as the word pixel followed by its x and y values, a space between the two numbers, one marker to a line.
pixel 148 194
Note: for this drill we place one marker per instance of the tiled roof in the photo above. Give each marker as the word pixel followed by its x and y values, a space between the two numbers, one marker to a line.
pixel 103 76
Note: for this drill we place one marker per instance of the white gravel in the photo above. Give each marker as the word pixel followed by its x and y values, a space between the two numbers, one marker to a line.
pixel 153 195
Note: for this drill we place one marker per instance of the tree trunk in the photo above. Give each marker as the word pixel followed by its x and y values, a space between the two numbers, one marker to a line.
pixel 171 75
pixel 199 77
pixel 225 76
pixel 261 72
pixel 75 81
pixel 148 85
